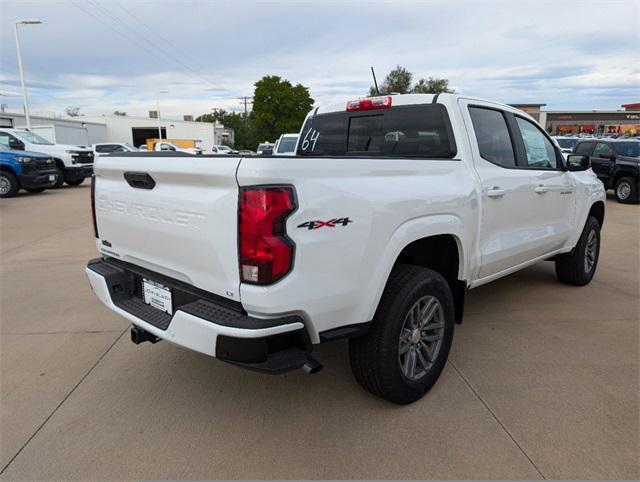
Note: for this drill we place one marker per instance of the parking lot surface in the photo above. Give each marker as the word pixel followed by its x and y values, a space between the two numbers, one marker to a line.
pixel 543 380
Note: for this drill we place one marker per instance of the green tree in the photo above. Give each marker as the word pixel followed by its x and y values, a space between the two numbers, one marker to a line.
pixel 278 107
pixel 397 81
pixel 432 86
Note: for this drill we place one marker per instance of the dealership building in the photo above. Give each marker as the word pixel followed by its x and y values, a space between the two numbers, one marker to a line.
pixel 557 122
pixel 87 130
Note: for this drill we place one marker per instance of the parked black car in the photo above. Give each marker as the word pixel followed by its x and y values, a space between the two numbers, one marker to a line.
pixel 616 162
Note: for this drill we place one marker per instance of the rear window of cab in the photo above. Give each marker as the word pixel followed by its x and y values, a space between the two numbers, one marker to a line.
pixel 422 131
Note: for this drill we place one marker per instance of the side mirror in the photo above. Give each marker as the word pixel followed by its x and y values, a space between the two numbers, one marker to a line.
pixel 16 144
pixel 577 162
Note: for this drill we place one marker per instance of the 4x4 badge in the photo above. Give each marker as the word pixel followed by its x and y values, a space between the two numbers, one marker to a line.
pixel 331 223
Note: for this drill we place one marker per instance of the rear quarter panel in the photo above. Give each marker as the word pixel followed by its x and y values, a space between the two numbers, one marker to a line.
pixel 339 272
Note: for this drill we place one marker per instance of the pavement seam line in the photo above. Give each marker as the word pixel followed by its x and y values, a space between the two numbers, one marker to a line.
pixel 62 401
pixel 464 379
pixel 82 332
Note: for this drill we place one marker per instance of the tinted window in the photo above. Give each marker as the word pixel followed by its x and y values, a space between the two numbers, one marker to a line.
pixel 493 137
pixel 602 150
pixel 4 139
pixel 104 149
pixel 566 143
pixel 584 148
pixel 287 144
pixel 629 149
pixel 539 149
pixel 407 131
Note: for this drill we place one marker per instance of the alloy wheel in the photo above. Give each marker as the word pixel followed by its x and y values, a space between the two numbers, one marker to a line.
pixel 5 185
pixel 590 251
pixel 421 337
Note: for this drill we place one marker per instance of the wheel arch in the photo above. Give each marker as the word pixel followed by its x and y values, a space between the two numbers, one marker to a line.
pixel 8 168
pixel 597 211
pixel 59 164
pixel 421 242
pixel 441 253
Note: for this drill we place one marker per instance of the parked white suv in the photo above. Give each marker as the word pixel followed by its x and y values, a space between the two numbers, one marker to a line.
pixel 391 210
pixel 75 163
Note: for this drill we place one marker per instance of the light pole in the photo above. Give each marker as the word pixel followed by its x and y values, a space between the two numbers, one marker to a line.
pixel 214 125
pixel 25 101
pixel 158 110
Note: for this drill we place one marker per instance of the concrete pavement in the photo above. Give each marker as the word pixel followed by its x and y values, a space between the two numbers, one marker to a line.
pixel 543 380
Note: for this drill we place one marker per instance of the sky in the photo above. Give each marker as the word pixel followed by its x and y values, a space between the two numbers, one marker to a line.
pixel 107 55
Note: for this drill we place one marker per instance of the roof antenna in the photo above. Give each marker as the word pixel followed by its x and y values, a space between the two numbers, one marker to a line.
pixel 375 82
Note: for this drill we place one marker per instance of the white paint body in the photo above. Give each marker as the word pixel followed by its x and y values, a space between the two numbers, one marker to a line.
pixel 186 227
pixel 64 152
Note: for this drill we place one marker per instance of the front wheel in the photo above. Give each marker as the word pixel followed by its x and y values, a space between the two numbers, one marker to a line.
pixel 626 190
pixel 404 352
pixel 9 185
pixel 74 182
pixel 59 179
pixel 579 266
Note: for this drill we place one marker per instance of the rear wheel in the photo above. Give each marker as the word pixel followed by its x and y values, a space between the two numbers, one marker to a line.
pixel 578 267
pixel 9 185
pixel 404 352
pixel 626 190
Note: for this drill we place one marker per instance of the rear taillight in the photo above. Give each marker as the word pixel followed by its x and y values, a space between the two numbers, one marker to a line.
pixel 265 252
pixel 371 103
pixel 93 205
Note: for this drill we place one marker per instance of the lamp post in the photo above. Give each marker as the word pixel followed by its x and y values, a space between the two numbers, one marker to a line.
pixel 213 109
pixel 25 100
pixel 158 110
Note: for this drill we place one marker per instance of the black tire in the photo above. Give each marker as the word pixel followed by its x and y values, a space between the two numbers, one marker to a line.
pixel 9 185
pixel 574 268
pixel 34 190
pixel 626 190
pixel 376 358
pixel 59 180
pixel 74 182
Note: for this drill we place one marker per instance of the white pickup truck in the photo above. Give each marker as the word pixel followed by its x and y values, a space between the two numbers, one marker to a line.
pixel 75 163
pixel 392 208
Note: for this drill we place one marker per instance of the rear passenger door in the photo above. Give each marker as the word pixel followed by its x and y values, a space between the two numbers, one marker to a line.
pixel 602 163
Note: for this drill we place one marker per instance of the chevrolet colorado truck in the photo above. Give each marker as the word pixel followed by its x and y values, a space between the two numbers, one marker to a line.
pixel 31 171
pixel 392 208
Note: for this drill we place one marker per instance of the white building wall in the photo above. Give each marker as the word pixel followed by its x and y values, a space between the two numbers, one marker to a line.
pixel 120 129
pixel 66 131
pixel 87 130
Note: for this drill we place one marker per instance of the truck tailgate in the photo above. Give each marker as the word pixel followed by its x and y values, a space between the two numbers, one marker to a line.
pixel 182 223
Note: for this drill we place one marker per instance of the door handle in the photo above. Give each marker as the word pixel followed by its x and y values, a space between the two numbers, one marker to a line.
pixel 541 189
pixel 495 191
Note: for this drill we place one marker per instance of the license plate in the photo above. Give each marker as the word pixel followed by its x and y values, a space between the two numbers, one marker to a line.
pixel 157 295
pixel 52 177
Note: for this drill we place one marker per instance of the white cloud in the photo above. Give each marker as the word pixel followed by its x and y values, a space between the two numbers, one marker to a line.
pixel 565 54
